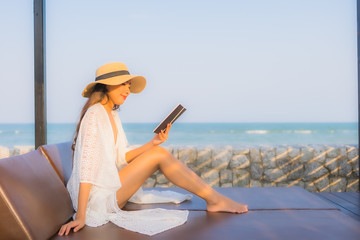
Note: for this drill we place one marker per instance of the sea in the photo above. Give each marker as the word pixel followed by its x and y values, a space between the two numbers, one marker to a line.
pixel 202 134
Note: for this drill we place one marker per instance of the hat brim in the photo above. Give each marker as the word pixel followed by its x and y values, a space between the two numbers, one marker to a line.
pixel 138 83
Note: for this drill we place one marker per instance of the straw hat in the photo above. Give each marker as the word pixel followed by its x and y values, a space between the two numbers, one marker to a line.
pixel 115 74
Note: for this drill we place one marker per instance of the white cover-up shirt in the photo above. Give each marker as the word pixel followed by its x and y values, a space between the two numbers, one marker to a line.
pixel 97 160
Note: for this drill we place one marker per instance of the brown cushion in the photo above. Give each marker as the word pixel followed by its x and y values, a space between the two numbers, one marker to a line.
pixel 60 157
pixel 267 224
pixel 34 203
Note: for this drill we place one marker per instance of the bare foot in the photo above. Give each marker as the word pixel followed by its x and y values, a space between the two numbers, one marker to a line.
pixel 225 204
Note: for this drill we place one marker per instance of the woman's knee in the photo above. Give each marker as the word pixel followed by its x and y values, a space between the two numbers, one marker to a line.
pixel 160 152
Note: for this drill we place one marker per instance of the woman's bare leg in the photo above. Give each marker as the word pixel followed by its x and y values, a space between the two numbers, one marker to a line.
pixel 135 174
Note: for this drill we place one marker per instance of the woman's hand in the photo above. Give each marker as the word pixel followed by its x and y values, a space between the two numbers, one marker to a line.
pixel 77 224
pixel 162 136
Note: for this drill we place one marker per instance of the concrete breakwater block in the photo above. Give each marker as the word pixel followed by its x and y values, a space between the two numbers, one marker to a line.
pixel 6 152
pixel 316 168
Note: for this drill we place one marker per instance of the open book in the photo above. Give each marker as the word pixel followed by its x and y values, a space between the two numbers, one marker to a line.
pixel 175 114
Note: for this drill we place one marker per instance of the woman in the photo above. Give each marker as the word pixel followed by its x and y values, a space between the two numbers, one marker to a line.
pixel 107 172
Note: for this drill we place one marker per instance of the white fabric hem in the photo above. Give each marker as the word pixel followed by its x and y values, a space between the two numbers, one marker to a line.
pixel 154 196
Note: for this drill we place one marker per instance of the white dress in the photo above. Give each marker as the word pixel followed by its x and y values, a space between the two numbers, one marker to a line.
pixel 97 160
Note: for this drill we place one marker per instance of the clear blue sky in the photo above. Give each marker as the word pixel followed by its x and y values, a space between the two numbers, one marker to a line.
pixel 225 61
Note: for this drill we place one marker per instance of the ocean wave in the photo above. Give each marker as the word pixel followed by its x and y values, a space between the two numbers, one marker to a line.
pixel 16 131
pixel 303 131
pixel 257 132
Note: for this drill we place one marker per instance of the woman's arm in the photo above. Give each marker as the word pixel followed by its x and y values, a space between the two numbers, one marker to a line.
pixel 132 154
pixel 158 139
pixel 84 192
pixel 79 221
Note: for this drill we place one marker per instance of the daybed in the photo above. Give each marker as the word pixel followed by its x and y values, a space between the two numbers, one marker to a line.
pixel 34 203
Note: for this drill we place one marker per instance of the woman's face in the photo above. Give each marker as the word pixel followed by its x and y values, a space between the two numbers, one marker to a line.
pixel 118 93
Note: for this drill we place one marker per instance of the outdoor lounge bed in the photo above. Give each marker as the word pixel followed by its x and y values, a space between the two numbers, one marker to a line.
pixel 34 203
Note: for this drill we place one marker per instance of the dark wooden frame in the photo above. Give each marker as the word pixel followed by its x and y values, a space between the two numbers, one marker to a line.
pixel 40 73
pixel 358 73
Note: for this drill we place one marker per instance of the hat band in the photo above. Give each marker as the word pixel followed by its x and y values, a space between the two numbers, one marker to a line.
pixel 112 74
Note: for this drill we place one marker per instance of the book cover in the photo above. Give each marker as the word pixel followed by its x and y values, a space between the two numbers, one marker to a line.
pixel 171 118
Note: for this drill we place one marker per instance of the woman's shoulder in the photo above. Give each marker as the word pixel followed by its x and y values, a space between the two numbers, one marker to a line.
pixel 94 110
pixel 95 106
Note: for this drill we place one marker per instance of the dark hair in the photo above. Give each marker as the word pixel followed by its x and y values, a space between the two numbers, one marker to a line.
pixel 97 94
